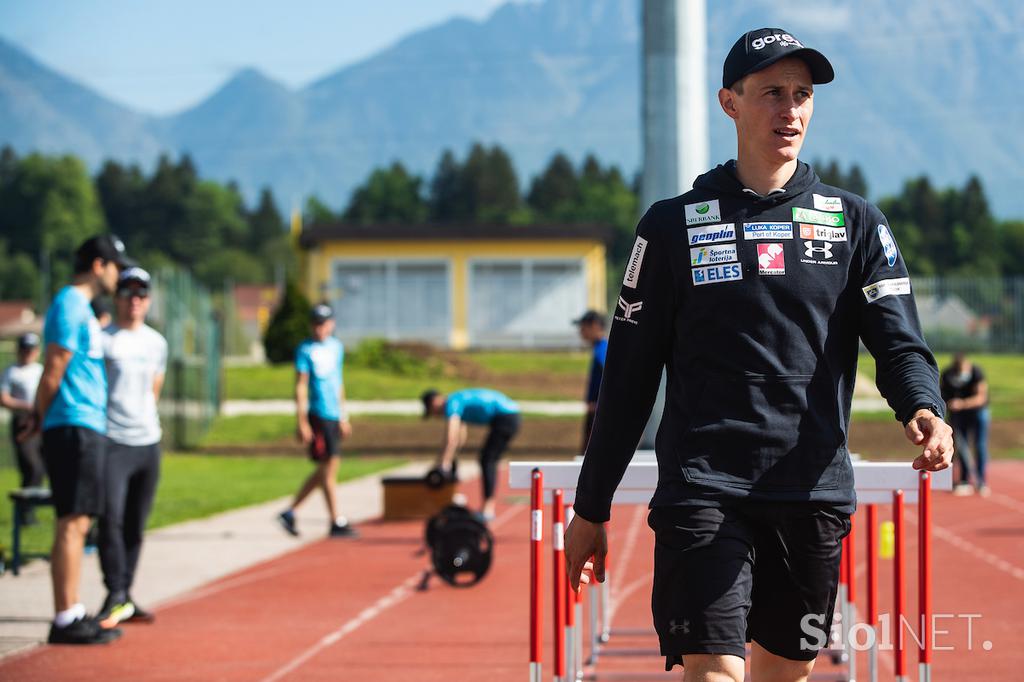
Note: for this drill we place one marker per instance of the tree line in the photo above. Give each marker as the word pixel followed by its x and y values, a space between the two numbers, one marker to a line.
pixel 49 204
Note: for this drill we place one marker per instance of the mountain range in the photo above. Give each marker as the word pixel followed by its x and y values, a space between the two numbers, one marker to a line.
pixel 923 87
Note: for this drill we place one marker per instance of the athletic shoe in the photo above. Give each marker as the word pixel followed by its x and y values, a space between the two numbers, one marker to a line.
pixel 287 521
pixel 984 490
pixel 82 631
pixel 116 609
pixel 140 615
pixel 963 489
pixel 342 531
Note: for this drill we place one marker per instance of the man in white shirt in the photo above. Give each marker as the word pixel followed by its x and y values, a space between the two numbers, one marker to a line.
pixel 18 393
pixel 136 360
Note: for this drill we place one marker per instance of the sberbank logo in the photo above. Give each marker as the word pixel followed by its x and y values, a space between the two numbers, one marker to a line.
pixel 703 208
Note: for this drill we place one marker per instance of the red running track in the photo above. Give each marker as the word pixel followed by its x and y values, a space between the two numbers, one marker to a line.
pixel 349 610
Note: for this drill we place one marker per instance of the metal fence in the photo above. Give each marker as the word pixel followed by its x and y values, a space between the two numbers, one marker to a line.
pixel 972 314
pixel 183 311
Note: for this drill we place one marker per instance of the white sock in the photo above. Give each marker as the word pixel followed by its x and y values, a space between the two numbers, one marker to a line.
pixel 340 521
pixel 68 616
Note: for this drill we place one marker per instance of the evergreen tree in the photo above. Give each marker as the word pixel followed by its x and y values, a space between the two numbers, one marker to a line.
pixel 265 223
pixel 447 200
pixel 289 325
pixel 555 194
pixel 492 186
pixel 390 195
pixel 317 212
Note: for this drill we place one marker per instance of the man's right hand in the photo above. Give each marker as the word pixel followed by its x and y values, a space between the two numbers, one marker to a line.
pixel 583 540
pixel 305 432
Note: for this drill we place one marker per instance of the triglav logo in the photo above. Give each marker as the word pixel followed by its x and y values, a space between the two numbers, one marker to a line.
pixel 628 309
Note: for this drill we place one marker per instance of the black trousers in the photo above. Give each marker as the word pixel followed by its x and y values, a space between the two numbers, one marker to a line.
pixel 131 475
pixel 29 455
pixel 503 428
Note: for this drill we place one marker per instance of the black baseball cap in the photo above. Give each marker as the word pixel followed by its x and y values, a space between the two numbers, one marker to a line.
pixel 588 317
pixel 28 340
pixel 321 312
pixel 428 399
pixel 106 246
pixel 762 47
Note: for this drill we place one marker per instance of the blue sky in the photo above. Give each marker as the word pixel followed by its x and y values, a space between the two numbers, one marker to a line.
pixel 161 56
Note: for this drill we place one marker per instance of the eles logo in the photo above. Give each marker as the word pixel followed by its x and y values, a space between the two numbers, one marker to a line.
pixel 716 273
pixel 783 39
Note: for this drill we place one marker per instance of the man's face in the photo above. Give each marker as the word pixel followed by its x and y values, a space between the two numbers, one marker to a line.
pixel 322 330
pixel 774 110
pixel 590 331
pixel 132 303
pixel 107 272
pixel 28 355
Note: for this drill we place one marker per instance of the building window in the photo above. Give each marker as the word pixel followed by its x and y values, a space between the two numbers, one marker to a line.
pixel 396 300
pixel 525 302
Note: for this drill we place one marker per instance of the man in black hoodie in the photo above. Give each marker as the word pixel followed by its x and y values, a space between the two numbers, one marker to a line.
pixel 753 291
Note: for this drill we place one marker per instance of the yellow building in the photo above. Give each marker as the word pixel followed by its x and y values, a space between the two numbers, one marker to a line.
pixel 458 286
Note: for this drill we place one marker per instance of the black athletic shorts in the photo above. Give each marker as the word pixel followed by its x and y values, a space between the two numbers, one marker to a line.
pixel 763 572
pixel 326 441
pixel 75 458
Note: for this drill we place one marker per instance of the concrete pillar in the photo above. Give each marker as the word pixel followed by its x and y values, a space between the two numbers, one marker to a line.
pixel 675 106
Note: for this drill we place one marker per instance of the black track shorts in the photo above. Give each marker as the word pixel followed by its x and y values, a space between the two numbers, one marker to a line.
pixel 749 571
pixel 75 459
pixel 326 441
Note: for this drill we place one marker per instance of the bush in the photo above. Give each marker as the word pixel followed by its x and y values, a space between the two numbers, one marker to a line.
pixel 380 355
pixel 289 326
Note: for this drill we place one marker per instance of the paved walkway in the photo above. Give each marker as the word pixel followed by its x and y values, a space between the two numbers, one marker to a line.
pixel 233 408
pixel 181 558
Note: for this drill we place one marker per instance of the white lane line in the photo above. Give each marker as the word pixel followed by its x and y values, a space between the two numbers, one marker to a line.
pixel 615 595
pixel 396 596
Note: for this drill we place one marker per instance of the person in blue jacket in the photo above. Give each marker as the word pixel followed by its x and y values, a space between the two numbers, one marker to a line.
pixel 479 406
pixel 592 330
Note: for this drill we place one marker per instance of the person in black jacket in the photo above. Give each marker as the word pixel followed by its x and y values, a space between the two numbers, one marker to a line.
pixel 965 391
pixel 753 293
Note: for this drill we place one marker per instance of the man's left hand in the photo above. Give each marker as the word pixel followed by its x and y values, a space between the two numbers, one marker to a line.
pixel 928 430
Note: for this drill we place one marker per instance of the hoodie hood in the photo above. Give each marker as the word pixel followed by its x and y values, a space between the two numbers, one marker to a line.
pixel 722 180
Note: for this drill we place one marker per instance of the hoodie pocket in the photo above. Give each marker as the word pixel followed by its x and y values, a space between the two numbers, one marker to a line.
pixel 766 432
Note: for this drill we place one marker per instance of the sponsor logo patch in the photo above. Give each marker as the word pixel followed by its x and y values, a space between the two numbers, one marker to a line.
pixel 711 255
pixel 783 39
pixel 771 259
pixel 888 244
pixel 767 230
pixel 711 234
pixel 702 212
pixel 834 204
pixel 717 273
pixel 636 259
pixel 899 286
pixel 628 310
pixel 809 215
pixel 818 254
pixel 822 233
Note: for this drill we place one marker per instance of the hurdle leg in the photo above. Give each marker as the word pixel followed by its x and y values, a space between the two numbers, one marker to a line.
pixel 536 568
pixel 605 600
pixel 898 568
pixel 561 585
pixel 872 536
pixel 569 627
pixel 851 596
pixel 579 635
pixel 595 633
pixel 924 577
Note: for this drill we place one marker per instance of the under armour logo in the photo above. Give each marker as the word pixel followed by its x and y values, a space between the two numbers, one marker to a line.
pixel 629 308
pixel 677 628
pixel 825 251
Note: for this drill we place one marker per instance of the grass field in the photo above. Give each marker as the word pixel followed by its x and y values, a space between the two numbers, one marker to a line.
pixel 265 382
pixel 195 486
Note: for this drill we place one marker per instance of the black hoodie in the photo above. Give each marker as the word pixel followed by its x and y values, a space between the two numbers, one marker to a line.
pixel 755 307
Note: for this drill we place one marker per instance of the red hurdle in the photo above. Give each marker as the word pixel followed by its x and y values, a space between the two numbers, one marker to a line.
pixel 536 569
pixel 899 600
pixel 924 575
pixel 560 582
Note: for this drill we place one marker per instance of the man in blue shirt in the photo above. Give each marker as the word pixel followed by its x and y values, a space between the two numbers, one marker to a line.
pixel 592 331
pixel 484 407
pixel 71 409
pixel 320 413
